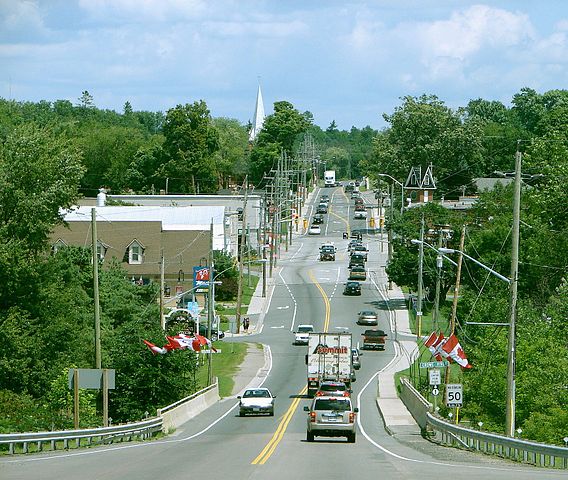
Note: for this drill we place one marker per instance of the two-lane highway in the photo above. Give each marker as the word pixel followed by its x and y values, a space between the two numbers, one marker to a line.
pixel 219 444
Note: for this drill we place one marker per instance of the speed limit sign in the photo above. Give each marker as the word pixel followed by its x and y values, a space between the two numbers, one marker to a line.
pixel 454 395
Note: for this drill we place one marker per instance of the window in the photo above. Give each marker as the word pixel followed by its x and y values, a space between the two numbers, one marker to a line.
pixel 101 250
pixel 135 253
pixel 59 244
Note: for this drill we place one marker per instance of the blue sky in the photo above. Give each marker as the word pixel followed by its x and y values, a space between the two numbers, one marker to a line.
pixel 344 61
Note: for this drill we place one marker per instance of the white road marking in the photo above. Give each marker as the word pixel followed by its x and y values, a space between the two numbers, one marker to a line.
pixel 293 299
pixel 283 308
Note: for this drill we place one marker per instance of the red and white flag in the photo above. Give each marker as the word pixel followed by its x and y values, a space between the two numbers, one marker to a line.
pixel 434 343
pixel 454 350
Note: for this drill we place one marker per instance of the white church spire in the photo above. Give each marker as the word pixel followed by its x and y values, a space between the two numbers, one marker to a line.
pixel 258 119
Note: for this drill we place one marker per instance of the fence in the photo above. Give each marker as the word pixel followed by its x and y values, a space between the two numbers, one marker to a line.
pixel 449 434
pixel 167 418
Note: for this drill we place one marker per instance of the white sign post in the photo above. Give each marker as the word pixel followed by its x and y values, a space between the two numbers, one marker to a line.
pixel 435 377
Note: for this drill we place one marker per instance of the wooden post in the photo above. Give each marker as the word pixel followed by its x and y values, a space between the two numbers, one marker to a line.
pixel 76 398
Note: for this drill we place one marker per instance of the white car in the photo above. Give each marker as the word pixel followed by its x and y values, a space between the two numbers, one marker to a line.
pixel 301 336
pixel 314 230
pixel 256 401
pixel 361 215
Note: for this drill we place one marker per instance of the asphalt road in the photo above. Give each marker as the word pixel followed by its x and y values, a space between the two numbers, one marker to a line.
pixel 219 444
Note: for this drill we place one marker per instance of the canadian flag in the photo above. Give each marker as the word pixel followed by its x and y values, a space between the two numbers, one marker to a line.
pixel 434 343
pixel 454 350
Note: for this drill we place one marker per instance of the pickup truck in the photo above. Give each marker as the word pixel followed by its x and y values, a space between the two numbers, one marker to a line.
pixel 373 339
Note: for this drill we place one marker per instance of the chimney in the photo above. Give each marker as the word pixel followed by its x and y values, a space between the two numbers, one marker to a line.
pixel 101 197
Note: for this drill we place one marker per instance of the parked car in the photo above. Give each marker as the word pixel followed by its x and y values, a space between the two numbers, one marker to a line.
pixel 356 358
pixel 314 230
pixel 256 401
pixel 301 335
pixel 331 417
pixel 367 317
pixel 358 273
pixel 352 288
pixel 333 389
pixel 318 219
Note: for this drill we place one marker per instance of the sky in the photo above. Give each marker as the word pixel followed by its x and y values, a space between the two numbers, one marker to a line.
pixel 344 61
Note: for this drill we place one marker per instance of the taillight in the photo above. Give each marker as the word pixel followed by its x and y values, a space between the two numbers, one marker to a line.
pixel 319 394
pixel 351 417
pixel 312 416
pixel 346 393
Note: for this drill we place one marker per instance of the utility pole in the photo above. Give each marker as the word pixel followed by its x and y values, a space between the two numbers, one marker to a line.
pixel 241 256
pixel 419 299
pixel 162 285
pixel 98 362
pixel 211 307
pixel 439 260
pixel 455 299
pixel 389 233
pixel 510 410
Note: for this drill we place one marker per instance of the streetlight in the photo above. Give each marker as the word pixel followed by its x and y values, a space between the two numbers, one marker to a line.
pixel 497 274
pixel 401 189
pixel 415 241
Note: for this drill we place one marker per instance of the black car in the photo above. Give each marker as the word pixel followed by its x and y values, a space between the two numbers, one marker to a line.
pixel 321 208
pixel 356 260
pixel 318 219
pixel 352 288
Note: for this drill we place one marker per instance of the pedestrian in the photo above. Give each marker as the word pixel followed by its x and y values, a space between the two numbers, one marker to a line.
pixel 246 323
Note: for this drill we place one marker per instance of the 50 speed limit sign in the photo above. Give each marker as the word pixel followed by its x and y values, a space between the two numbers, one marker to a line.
pixel 454 395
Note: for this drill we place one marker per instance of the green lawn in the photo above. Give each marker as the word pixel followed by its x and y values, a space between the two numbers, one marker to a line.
pixel 225 365
pixel 230 308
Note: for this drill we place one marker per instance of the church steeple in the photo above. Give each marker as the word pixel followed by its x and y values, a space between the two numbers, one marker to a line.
pixel 258 119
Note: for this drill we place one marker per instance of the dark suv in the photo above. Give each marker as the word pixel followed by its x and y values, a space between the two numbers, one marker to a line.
pixel 318 219
pixel 352 288
pixel 356 260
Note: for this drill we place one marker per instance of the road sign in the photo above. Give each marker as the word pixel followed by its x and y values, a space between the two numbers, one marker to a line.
pixel 454 395
pixel 435 377
pixel 435 392
pixel 443 363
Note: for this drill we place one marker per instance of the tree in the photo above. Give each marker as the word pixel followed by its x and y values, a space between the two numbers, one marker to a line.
pixel 279 134
pixel 86 100
pixel 233 143
pixel 190 142
pixel 424 131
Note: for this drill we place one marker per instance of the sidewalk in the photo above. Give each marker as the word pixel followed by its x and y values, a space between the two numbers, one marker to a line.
pixel 398 420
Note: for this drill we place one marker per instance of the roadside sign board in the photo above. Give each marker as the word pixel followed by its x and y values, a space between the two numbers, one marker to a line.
pixel 435 391
pixel 435 377
pixel 454 395
pixel 443 363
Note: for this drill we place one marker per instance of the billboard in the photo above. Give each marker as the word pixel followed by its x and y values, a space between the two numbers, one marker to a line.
pixel 201 279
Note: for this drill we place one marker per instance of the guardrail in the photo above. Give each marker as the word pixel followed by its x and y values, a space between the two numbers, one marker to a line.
pixel 84 437
pixel 445 433
pixel 167 417
pixel 538 454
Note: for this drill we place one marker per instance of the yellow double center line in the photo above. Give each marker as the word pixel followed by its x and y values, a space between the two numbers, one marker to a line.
pixel 268 450
pixel 279 433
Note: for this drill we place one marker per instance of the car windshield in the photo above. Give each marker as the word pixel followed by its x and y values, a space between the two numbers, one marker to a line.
pixel 305 329
pixel 368 313
pixel 256 394
pixel 332 387
pixel 338 404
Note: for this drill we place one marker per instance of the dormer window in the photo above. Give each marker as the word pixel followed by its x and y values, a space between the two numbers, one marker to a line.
pixel 101 250
pixel 135 253
pixel 59 244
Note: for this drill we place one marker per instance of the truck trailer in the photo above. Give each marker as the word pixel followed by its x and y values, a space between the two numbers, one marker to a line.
pixel 329 358
pixel 329 178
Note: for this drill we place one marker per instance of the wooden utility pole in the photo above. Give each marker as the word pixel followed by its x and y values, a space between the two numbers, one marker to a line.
pixel 98 362
pixel 162 285
pixel 456 294
pixel 511 347
pixel 210 307
pixel 241 256
pixel 419 299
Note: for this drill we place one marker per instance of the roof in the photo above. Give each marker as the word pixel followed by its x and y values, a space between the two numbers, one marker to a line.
pixel 171 218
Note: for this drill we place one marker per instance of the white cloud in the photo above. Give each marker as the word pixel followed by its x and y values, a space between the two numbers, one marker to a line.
pixel 143 10
pixel 20 15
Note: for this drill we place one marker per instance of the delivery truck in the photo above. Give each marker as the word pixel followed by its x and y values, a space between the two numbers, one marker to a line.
pixel 329 358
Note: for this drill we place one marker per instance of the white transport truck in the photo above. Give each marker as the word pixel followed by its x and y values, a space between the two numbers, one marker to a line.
pixel 329 358
pixel 329 178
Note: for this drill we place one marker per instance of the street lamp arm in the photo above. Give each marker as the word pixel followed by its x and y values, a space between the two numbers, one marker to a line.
pixel 392 178
pixel 417 242
pixel 490 270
